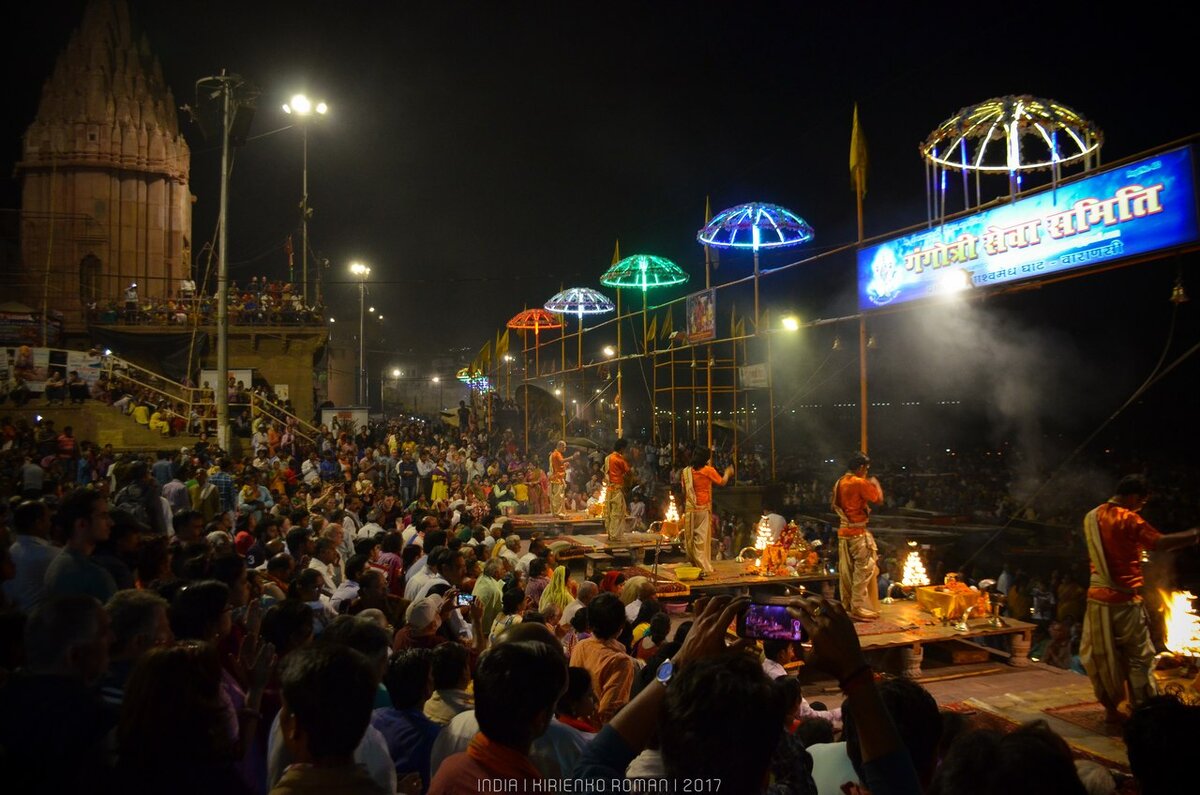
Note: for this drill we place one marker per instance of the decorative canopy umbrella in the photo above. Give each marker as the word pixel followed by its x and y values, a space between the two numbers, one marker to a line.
pixel 472 378
pixel 535 320
pixel 643 271
pixel 755 225
pixel 578 301
pixel 1010 135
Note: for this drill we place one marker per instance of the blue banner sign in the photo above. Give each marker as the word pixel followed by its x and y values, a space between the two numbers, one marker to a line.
pixel 1134 209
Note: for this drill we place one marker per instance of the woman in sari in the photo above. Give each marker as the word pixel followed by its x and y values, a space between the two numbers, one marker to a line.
pixel 441 488
pixel 697 481
pixel 537 493
pixel 556 594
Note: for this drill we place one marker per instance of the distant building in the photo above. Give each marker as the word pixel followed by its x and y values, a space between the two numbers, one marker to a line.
pixel 104 172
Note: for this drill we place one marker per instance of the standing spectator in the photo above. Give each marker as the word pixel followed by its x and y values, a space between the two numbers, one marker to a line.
pixel 31 554
pixel 85 520
pixel 139 623
pixel 451 678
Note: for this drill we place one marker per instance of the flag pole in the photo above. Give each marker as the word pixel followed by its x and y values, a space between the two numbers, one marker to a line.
pixel 862 327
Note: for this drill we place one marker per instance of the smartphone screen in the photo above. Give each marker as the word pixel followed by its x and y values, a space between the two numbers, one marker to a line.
pixel 770 622
pixel 464 600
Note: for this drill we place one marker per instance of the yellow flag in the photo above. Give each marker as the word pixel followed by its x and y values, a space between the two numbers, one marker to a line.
pixel 651 333
pixel 501 343
pixel 740 329
pixel 616 253
pixel 858 155
pixel 667 326
pixel 485 356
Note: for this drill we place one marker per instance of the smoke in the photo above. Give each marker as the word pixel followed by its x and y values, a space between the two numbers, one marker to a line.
pixel 1033 385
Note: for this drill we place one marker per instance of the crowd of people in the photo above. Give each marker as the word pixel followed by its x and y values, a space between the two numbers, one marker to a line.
pixel 260 302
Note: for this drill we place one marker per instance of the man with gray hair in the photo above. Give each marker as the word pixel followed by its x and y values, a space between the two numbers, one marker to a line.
pixel 587 592
pixel 512 551
pixel 489 592
pixel 139 623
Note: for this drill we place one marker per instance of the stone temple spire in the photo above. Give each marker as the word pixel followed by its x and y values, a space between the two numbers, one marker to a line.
pixel 106 103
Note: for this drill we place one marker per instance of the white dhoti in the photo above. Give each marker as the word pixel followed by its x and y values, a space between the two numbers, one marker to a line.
pixel 556 497
pixel 1116 652
pixel 856 572
pixel 614 513
pixel 698 539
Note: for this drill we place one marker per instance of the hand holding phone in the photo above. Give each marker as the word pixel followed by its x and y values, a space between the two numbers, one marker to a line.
pixel 464 600
pixel 762 621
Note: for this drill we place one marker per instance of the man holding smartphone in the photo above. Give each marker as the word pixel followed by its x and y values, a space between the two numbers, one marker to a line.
pixel 852 498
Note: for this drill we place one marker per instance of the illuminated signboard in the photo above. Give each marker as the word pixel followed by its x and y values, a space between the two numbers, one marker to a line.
pixel 1134 209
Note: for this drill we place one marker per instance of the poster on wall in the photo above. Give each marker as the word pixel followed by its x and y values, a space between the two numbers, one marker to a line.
pixel 208 378
pixel 702 316
pixel 350 420
pixel 1137 208
pixel 754 376
pixel 32 365
pixel 87 365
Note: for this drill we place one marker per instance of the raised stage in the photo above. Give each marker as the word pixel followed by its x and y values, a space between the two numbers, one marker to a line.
pixel 550 525
pixel 728 575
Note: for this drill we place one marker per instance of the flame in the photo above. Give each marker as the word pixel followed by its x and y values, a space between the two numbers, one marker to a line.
pixel 603 493
pixel 1182 623
pixel 914 571
pixel 672 511
pixel 764 534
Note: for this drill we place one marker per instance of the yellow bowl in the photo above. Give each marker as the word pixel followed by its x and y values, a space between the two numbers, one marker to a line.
pixel 687 573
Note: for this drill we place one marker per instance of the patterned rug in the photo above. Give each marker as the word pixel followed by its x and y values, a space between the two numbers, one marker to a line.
pixel 880 626
pixel 1087 715
pixel 982 719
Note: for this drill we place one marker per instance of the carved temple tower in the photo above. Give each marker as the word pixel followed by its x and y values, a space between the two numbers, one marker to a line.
pixel 104 172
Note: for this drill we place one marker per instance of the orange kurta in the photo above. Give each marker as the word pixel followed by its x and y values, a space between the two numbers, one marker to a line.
pixel 854 495
pixel 702 483
pixel 616 468
pixel 1124 534
pixel 558 467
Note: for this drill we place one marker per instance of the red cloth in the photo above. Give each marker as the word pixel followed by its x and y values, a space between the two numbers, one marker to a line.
pixel 617 468
pixel 1124 534
pixel 702 483
pixel 483 759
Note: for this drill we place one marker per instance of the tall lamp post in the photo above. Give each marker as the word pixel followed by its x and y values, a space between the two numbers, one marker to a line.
pixel 302 107
pixel 362 272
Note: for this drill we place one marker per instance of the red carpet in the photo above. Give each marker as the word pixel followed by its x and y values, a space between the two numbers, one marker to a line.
pixel 1086 714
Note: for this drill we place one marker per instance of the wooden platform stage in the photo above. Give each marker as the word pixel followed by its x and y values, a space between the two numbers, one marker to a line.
pixel 728 576
pixel 904 627
pixel 550 525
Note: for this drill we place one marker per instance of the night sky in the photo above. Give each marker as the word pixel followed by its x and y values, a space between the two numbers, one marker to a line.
pixel 478 155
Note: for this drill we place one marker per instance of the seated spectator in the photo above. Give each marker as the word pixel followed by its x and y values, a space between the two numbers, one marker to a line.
pixel 174 733
pixel 421 623
pixel 1160 737
pixel 53 724
pixel 408 733
pixel 347 592
pixel 1031 760
pixel 517 686
pixel 777 654
pixel 512 603
pixel 287 625
pixel 646 642
pixel 451 678
pixel 327 695
pixel 139 623
pixel 604 657
pixel 576 708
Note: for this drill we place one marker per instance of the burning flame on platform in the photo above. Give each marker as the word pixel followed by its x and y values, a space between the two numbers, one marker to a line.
pixel 1182 623
pixel 914 570
pixel 603 493
pixel 764 534
pixel 672 511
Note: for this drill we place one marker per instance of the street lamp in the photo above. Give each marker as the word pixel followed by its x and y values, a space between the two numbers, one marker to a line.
pixel 362 272
pixel 438 381
pixel 302 107
pixel 610 351
pixel 791 323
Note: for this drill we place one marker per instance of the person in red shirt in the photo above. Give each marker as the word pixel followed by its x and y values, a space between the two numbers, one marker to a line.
pixel 857 568
pixel 616 469
pixel 1115 646
pixel 698 481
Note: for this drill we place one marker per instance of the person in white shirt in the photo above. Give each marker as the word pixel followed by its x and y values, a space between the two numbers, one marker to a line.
pixel 370 527
pixel 325 560
pixel 777 654
pixel 512 546
pixel 587 592
pixel 310 470
pixel 776 522
pixel 537 548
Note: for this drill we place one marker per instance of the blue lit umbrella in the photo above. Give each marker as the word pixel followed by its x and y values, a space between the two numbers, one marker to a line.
pixel 755 225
